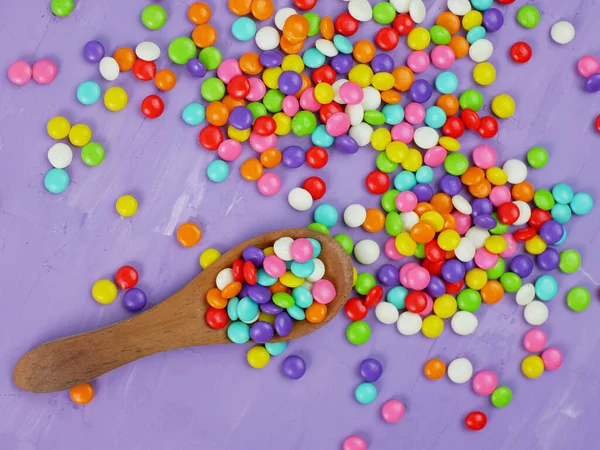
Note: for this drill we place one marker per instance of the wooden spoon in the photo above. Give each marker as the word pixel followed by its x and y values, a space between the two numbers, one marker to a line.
pixel 175 323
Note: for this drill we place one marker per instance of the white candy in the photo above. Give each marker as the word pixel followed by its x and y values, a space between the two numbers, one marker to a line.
pixel 460 370
pixel 355 215
pixel 60 155
pixel 477 236
pixel 355 113
pixel 516 171
pixel 536 313
pixel 386 313
pixel 224 277
pixel 524 212
pixel 361 133
pixel 465 250
pixel 307 284
pixel 409 323
pixel 371 99
pixel 300 199
pixel 267 38
pixel 318 272
pixel 326 47
pixel 426 137
pixel 336 90
pixel 481 50
pixel 283 248
pixel 148 51
pixel 282 15
pixel 525 294
pixel 361 10
pixel 462 204
pixel 459 7
pixel 417 11
pixel 402 6
pixel 366 251
pixel 464 323
pixel 109 68
pixel 562 32
pixel 409 220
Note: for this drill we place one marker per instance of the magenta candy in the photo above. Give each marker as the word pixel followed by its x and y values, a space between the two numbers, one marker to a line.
pixel 406 201
pixel 338 124
pixel 19 72
pixel 274 266
pixel 392 411
pixel 499 195
pixel 463 222
pixel 323 291
pixel 429 306
pixel 511 245
pixel 228 69
pixel 484 259
pixel 442 57
pixel 229 150
pixel 414 113
pixel 418 61
pixel 403 273
pixel 552 358
pixel 391 251
pixel 290 106
pixel 485 382
pixel 354 443
pixel 308 101
pixel 417 278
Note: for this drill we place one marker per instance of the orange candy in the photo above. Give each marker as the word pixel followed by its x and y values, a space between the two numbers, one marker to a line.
pixel 434 369
pixel 231 102
pixel 290 48
pixel 189 234
pixel 327 28
pixel 199 13
pixel 231 290
pixel 460 46
pixel 442 203
pixel 306 83
pixel 251 169
pixel 364 51
pixel 391 97
pixel 204 35
pixel 472 176
pixel 82 394
pixel 250 63
pixel 215 299
pixel 422 208
pixel 450 255
pixel 262 9
pixel 449 21
pixel 404 78
pixel 217 114
pixel 422 232
pixel 448 103
pixel 316 312
pixel 125 58
pixel 492 292
pixel 240 7
pixel 277 287
pixel 295 28
pixel 270 158
pixel 375 220
pixel 523 191
pixel 165 80
pixel 481 189
pixel 449 222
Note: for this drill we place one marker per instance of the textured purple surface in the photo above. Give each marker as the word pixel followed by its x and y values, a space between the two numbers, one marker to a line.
pixel 53 247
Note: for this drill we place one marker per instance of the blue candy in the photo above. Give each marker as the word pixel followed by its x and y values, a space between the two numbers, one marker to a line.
pixel 405 181
pixel 302 297
pixel 546 287
pixel 88 92
pixel 446 82
pixel 582 203
pixel 247 309
pixel 394 114
pixel 396 296
pixel 56 180
pixel 326 214
pixel 238 332
pixel 313 58
pixel 217 171
pixel 193 114
pixel 243 29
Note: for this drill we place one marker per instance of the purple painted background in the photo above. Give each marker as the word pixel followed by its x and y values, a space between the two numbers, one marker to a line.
pixel 53 247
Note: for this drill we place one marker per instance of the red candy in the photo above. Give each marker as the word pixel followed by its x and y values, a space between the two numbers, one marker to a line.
pixel 598 124
pixel 524 234
pixel 346 25
pixel 328 110
pixel 315 186
pixel 387 38
pixel 538 218
pixel 454 288
pixel 416 302
pixel 324 74
pixel 520 52
pixel 237 268
pixel 508 213
pixel 152 106
pixel 476 421
pixel 249 272
pixel 305 5
pixel 216 318
pixel 377 182
pixel 265 126
pixel 433 252
pixel 238 87
pixel 374 296
pixel 355 309
pixel 434 268
pixel 488 127
pixel 210 137
pixel 403 24
pixel 126 277
pixel 471 119
pixel 317 157
pixel 144 70
pixel 454 127
pixel 505 2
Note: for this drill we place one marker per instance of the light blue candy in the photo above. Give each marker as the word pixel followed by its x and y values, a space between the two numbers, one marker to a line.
pixel 482 5
pixel 475 34
pixel 396 296
pixel 232 307
pixel 424 175
pixel 313 58
pixel 546 287
pixel 394 114
pixel 238 332
pixel 243 29
pixel 296 313
pixel 275 348
pixel 302 297
pixel 88 92
pixel 365 393
pixel 446 82
pixel 316 247
pixel 562 193
pixel 264 279
pixel 193 114
pixel 563 238
pixel 56 180
pixel 435 117
pixel 288 265
pixel 343 44
pixel 247 309
pixel 582 203
pixel 405 181
pixel 303 270
pixel 326 214
pixel 217 171
pixel 321 138
pixel 561 213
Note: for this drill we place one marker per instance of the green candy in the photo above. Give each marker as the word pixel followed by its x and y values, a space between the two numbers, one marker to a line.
pixel 420 251
pixel 468 300
pixel 388 200
pixel 439 35
pixel 212 90
pixel 528 16
pixel 384 164
pixel 511 282
pixel 181 50
pixel 471 99
pixel 384 13
pixel 62 8
pixel 283 299
pixel 537 157
pixel 500 227
pixel 374 117
pixel 211 57
pixel 314 23
pixel 358 332
pixel 92 154
pixel 273 100
pixel 543 199
pixel 318 227
pixel 154 17
pixel 501 396
pixel 496 272
pixel 364 283
pixel 304 123
pixel 393 223
pixel 345 241
pixel 578 299
pixel 570 260
pixel 257 109
pixel 456 164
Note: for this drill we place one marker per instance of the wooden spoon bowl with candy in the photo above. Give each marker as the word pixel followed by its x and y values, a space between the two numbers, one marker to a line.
pixel 177 322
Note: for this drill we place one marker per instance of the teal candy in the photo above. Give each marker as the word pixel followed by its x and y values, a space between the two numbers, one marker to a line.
pixel 482 5
pixel 563 238
pixel 326 214
pixel 396 296
pixel 582 203
pixel 296 313
pixel 394 114
pixel 343 44
pixel 562 193
pixel 243 29
pixel 546 287
pixel 446 82
pixel 424 175
pixel 232 308
pixel 321 138
pixel 288 265
pixel 365 393
pixel 88 92
pixel 56 180
pixel 264 279
pixel 303 270
pixel 561 213
pixel 275 348
pixel 238 332
pixel 475 34
pixel 405 181
pixel 193 114
pixel 302 297
pixel 316 246
pixel 217 171
pixel 435 117
pixel 313 58
pixel 247 309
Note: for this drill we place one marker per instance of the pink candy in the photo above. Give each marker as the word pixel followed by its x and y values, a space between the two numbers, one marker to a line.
pixel 402 132
pixel 499 195
pixel 228 69
pixel 274 266
pixel 302 250
pixel 354 443
pixel 257 89
pixel 429 306
pixel 463 222
pixel 261 143
pixel 588 66
pixel 416 277
pixel 351 93
pixel 229 150
pixel 484 156
pixel 44 71
pixel 442 56
pixel 552 358
pixel 323 291
pixel 392 411
pixel 534 340
pixel 511 245
pixel 484 259
pixel 406 201
pixel 391 251
pixel 308 101
pixel 435 156
pixel 418 61
pixel 290 106
pixel 337 124
pixel 403 272
pixel 485 382
pixel 19 72
pixel 414 113
pixel 269 184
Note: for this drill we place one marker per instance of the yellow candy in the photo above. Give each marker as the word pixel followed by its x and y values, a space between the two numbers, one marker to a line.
pixel 418 39
pixel 383 81
pixel 104 291
pixel 324 93
pixel 271 77
pixel 450 144
pixel 264 317
pixel 258 357
pixel 115 98
pixel 495 244
pixel 413 160
pixel 126 205
pixel 434 218
pixel 503 106
pixel 444 306
pixel 532 366
pixel 472 19
pixel 209 256
pixel 405 244
pixel 432 326
pixel 396 151
pixel 484 73
pixel 496 176
pixel 80 135
pixel 290 280
pixel 361 74
pixel 283 122
pixel 535 245
pixel 354 276
pixel 476 278
pixel 238 135
pixel 380 139
pixel 268 251
pixel 293 63
pixel 448 240
pixel 58 127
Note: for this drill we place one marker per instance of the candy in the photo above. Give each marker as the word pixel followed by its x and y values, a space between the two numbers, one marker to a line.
pixel 293 367
pixel 134 300
pixel 126 205
pixel 258 357
pixel 464 322
pixel 56 181
pixel 115 98
pixel 109 68
pixel 104 292
pixel 562 32
pixel 83 393
pixel 154 17
pixel 528 16
pixel 476 421
pixel 365 393
pixel 88 93
pixel 152 106
pixel 92 154
pixel 485 382
pixel 181 49
pixel 60 155
pixel 366 251
pixel 19 72
pixel 43 72
pixel 536 313
pixel 358 332
pixel 460 370
pixel 354 443
pixel 188 234
pixel 532 366
pixel 552 358
pixel 578 299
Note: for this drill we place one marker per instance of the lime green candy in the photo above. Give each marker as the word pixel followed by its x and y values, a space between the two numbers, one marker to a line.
pixel 314 23
pixel 154 17
pixel 496 272
pixel 578 299
pixel 358 332
pixel 471 99
pixel 384 13
pixel 543 199
pixel 62 8
pixel 181 50
pixel 92 154
pixel 570 260
pixel 439 35
pixel 273 100
pixel 374 117
pixel 304 123
pixel 537 157
pixel 384 163
pixel 345 241
pixel 212 89
pixel 528 16
pixel 257 109
pixel 211 57
pixel 511 282
pixel 456 164
pixel 283 299
pixel 318 227
pixel 388 200
pixel 500 227
pixel 501 396
pixel 364 283
pixel 393 223
pixel 468 300
pixel 420 251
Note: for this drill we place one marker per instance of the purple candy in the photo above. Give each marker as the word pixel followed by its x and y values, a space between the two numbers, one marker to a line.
pixel 453 271
pixel 451 185
pixel 270 308
pixel 196 68
pixel 592 84
pixel 261 332
pixel 493 19
pixel 289 82
pixel 93 51
pixel 346 144
pixel 260 294
pixel 255 255
pixel 241 118
pixel 293 156
pixel 468 265
pixel 421 91
pixel 244 292
pixel 551 232
pixel 482 206
pixel 548 259
pixel 134 299
pixel 283 323
pixel 342 63
pixel 293 367
pixel 370 370
pixel 383 63
pixel 388 275
pixel 522 265
pixel 424 192
pixel 436 287
pixel 271 58
pixel 485 221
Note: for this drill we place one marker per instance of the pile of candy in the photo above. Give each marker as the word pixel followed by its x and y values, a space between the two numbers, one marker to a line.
pixel 105 291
